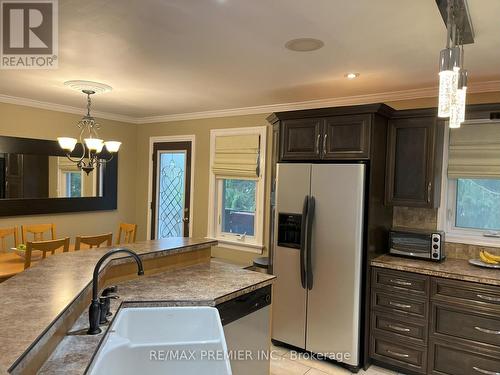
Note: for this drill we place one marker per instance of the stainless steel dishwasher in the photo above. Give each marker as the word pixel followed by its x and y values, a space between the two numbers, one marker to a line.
pixel 246 321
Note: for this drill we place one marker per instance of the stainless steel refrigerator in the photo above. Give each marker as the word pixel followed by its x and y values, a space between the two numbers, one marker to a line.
pixel 317 258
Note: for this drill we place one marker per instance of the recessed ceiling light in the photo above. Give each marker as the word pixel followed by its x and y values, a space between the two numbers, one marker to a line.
pixel 304 44
pixel 96 87
pixel 351 75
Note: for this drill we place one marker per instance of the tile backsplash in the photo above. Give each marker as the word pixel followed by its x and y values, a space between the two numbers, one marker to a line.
pixel 426 218
pixel 413 217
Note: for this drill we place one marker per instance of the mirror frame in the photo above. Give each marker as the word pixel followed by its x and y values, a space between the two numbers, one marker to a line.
pixel 37 206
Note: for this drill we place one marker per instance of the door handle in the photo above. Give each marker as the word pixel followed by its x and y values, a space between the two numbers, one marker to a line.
pixel 478 369
pixel 400 355
pixel 401 282
pixel 324 143
pixel 317 143
pixel 303 243
pixel 429 187
pixel 486 330
pixel 400 305
pixel 310 218
pixel 488 298
pixel 397 328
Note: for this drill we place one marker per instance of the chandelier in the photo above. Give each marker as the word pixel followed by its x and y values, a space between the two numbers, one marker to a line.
pixel 92 155
pixel 452 75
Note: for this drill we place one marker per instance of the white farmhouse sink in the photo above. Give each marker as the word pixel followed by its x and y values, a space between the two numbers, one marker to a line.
pixel 164 340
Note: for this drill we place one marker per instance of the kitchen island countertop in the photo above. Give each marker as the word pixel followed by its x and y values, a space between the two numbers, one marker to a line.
pixel 201 285
pixel 34 300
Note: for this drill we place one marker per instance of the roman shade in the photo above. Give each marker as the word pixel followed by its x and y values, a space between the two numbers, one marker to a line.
pixel 474 151
pixel 237 156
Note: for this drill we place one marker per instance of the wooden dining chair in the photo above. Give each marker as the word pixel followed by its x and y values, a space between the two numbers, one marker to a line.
pixel 45 247
pixel 94 241
pixel 38 231
pixel 4 234
pixel 129 232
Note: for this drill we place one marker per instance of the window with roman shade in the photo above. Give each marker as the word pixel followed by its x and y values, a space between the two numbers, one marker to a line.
pixel 237 156
pixel 474 151
pixel 237 187
pixel 469 209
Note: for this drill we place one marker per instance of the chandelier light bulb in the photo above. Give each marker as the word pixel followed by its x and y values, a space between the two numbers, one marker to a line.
pixel 94 144
pixel 112 146
pixel 67 144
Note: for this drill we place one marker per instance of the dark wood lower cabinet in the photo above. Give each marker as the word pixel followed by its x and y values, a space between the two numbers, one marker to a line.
pixel 449 328
pixel 452 358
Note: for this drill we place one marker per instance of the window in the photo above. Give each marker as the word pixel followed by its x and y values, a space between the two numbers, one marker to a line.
pixel 73 184
pixel 236 191
pixel 474 206
pixel 238 207
pixel 470 202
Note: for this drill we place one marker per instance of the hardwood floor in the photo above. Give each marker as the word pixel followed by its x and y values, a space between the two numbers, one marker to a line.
pixel 285 362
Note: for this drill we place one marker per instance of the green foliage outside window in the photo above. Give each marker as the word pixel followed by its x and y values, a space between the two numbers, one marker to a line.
pixel 478 204
pixel 239 195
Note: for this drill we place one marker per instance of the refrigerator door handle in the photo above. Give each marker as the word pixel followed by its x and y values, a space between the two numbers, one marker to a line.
pixel 310 218
pixel 303 243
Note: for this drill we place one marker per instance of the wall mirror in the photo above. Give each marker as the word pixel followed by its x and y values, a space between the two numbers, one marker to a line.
pixel 36 177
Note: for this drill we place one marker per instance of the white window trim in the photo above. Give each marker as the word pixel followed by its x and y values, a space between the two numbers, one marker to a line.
pixel 170 138
pixel 254 244
pixel 445 213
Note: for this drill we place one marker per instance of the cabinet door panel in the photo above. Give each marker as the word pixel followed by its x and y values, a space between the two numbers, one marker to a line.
pixel 347 137
pixel 412 162
pixel 301 139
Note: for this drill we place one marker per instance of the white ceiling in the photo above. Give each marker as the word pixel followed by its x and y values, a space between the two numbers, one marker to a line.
pixel 166 57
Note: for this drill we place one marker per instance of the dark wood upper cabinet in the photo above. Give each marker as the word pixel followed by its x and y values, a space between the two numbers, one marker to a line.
pixel 346 137
pixel 414 161
pixel 300 139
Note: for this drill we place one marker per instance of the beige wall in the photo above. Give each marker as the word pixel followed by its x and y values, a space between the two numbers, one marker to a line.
pixel 201 130
pixel 30 122
pixel 134 160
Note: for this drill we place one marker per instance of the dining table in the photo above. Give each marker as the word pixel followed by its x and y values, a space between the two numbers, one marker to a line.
pixel 11 263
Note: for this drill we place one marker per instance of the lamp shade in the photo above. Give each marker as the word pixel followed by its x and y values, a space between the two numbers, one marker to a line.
pixel 66 143
pixel 112 146
pixel 94 144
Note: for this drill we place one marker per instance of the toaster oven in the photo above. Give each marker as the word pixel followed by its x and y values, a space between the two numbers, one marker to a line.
pixel 416 243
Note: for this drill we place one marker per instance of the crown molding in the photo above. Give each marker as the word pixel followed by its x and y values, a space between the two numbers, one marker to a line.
pixel 64 108
pixel 390 96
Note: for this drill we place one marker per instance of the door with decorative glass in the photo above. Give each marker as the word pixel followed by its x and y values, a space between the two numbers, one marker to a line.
pixel 171 189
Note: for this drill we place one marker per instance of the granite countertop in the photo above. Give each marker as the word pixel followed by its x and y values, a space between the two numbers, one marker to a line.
pixel 202 285
pixel 34 299
pixel 458 269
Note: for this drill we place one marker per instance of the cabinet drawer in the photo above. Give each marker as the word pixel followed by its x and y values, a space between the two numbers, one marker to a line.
pixel 466 324
pixel 401 281
pixel 387 350
pixel 396 325
pixel 400 304
pixel 466 292
pixel 452 359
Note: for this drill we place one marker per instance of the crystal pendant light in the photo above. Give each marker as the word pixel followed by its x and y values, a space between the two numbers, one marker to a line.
pixel 449 67
pixel 462 89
